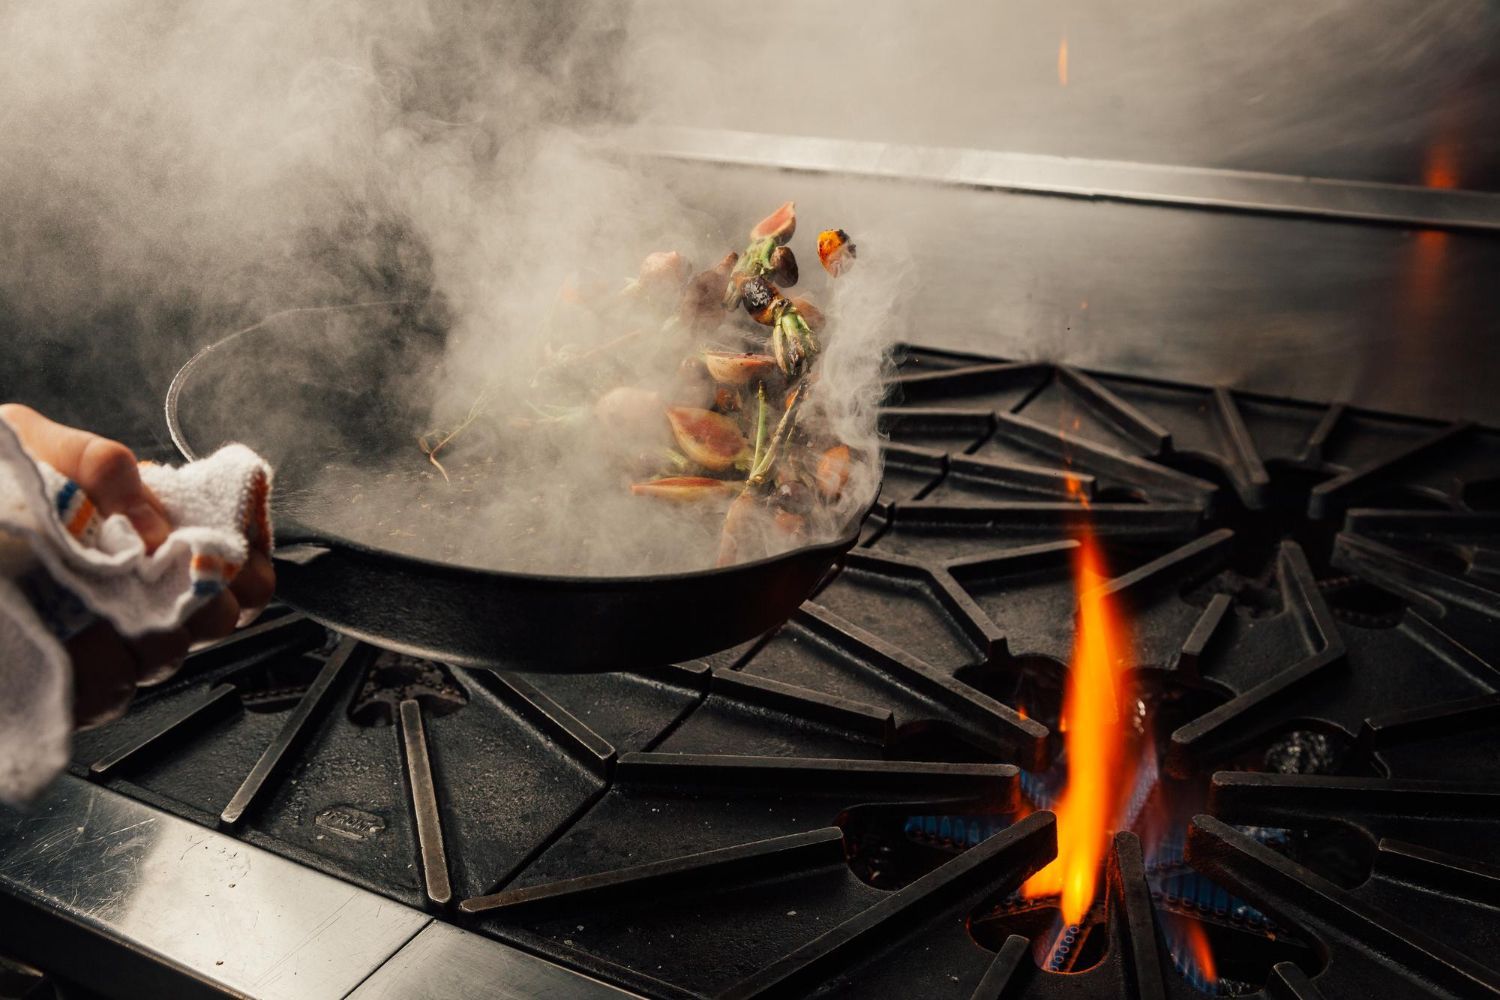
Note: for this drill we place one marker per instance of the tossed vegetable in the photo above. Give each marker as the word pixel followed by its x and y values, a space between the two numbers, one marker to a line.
pixel 835 251
pixel 738 369
pixel 720 431
pixel 685 489
pixel 710 439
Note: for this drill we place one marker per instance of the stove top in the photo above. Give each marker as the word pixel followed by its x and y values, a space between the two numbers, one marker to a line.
pixel 845 807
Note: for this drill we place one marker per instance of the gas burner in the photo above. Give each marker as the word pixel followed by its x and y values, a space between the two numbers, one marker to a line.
pixel 843 807
pixel 393 679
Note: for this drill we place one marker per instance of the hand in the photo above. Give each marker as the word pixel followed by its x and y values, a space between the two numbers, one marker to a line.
pixel 106 666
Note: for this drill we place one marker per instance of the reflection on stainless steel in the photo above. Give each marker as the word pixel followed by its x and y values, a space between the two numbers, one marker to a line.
pixel 444 961
pixel 191 911
pixel 187 911
pixel 1111 180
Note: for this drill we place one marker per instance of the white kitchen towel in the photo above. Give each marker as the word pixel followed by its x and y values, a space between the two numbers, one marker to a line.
pixel 63 567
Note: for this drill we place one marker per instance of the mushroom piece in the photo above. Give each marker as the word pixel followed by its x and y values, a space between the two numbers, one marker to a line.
pixel 709 439
pixel 783 267
pixel 778 226
pixel 737 369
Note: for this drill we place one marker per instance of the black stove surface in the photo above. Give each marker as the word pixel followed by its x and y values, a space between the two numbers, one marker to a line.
pixel 845 806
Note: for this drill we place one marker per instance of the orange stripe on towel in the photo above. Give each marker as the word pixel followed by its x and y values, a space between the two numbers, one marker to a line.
pixel 79 522
pixel 207 565
pixel 257 521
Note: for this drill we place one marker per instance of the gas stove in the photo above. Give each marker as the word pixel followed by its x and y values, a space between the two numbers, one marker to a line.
pixel 849 805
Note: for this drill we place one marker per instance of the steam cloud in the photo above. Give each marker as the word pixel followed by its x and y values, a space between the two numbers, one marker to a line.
pixel 180 170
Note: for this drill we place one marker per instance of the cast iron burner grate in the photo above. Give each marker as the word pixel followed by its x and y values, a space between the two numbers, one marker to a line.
pixel 831 810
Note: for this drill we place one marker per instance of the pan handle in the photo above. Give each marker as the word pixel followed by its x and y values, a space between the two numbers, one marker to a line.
pixel 298 544
pixel 300 553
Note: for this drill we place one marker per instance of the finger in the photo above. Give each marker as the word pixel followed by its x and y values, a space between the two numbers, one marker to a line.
pixel 160 655
pixel 105 470
pixel 214 620
pixel 253 586
pixel 104 671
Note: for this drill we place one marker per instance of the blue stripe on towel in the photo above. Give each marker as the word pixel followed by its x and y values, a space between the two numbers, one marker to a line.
pixel 65 497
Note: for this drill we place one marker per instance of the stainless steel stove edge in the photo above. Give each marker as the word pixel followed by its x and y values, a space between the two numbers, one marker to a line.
pixel 129 901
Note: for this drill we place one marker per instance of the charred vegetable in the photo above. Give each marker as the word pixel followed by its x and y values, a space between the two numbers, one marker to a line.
pixel 835 251
pixel 762 300
pixel 771 233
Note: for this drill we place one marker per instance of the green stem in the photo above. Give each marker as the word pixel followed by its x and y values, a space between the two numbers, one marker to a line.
pixel 783 431
pixel 760 254
pixel 760 426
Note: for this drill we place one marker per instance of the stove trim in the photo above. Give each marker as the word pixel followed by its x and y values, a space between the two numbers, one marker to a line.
pixel 69 911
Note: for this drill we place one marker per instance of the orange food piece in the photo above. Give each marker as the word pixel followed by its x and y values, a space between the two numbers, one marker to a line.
pixel 790 524
pixel 835 251
pixel 736 539
pixel 726 400
pixel 833 471
pixel 709 439
pixel 780 225
pixel 737 369
pixel 684 489
pixel 664 271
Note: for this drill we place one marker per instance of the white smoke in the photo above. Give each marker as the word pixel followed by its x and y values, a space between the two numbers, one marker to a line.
pixel 172 171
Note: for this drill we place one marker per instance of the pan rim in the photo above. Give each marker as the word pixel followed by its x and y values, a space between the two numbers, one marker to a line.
pixel 314 536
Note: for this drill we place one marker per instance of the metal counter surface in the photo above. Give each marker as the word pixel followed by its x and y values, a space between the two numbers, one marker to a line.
pixel 183 905
pixel 448 962
pixel 129 901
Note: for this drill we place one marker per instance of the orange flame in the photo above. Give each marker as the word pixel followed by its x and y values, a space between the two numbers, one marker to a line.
pixel 1075 489
pixel 1095 739
pixel 1202 955
pixel 1062 61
